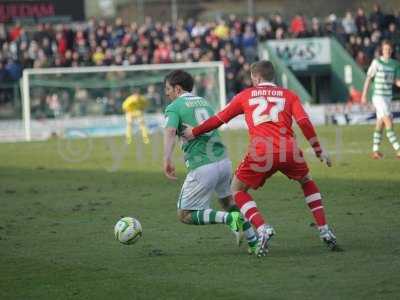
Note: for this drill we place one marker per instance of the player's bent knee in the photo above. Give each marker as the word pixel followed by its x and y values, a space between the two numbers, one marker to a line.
pixel 227 203
pixel 388 122
pixel 184 216
pixel 237 186
pixel 305 179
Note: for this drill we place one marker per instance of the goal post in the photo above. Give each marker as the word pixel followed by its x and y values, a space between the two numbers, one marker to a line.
pixel 56 97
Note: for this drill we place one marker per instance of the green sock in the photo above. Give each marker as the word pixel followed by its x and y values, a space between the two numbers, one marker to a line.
pixel 393 139
pixel 210 216
pixel 377 140
pixel 233 208
pixel 250 234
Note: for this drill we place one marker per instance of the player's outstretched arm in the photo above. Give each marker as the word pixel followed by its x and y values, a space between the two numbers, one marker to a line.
pixel 169 145
pixel 210 124
pixel 233 109
pixel 187 132
pixel 191 133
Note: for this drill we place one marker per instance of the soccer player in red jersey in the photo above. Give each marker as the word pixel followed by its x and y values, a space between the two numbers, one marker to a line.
pixel 269 110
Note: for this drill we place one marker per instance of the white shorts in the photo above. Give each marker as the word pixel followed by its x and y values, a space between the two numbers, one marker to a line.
pixel 382 106
pixel 201 183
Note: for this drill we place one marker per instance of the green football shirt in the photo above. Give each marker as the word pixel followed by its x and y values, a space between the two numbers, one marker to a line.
pixel 385 73
pixel 193 110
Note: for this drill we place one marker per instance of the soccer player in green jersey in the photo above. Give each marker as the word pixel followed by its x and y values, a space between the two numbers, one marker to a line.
pixel 384 72
pixel 205 157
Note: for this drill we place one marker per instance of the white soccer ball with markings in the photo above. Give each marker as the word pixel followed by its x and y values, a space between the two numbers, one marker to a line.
pixel 128 230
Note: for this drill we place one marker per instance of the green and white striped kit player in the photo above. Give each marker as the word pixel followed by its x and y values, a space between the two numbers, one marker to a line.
pixel 384 73
pixel 205 157
pixel 192 110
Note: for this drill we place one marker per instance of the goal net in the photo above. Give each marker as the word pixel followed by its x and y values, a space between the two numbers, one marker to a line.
pixel 87 101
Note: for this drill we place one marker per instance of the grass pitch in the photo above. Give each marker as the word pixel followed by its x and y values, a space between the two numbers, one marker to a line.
pixel 60 200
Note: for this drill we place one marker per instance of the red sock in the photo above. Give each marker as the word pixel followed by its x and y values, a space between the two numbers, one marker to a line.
pixel 314 202
pixel 249 209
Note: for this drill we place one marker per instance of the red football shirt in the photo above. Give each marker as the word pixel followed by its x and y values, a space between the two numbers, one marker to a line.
pixel 268 111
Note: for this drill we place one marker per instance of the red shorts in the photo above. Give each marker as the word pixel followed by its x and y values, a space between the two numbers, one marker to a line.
pixel 254 171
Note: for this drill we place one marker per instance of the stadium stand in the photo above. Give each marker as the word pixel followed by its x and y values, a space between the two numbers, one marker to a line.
pixel 233 41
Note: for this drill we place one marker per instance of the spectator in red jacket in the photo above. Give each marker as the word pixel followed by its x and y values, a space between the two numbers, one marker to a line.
pixel 298 26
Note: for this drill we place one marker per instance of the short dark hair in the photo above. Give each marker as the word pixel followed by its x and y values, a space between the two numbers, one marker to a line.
pixel 182 78
pixel 263 68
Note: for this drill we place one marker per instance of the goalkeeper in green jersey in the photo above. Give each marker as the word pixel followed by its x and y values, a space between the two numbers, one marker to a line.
pixel 384 71
pixel 205 158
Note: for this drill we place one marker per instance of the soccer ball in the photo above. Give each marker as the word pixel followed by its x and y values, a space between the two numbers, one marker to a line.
pixel 128 230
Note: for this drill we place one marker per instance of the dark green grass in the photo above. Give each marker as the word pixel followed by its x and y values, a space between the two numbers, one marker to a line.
pixel 57 215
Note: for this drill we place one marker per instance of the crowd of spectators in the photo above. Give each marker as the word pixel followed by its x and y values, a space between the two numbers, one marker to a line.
pixel 232 41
